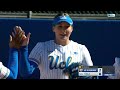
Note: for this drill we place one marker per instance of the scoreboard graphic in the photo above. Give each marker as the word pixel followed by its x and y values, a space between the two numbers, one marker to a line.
pixel 96 71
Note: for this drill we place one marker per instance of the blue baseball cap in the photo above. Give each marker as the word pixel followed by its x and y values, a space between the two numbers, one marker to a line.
pixel 63 19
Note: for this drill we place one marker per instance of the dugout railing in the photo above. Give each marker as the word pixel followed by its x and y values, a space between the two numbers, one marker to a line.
pixel 51 14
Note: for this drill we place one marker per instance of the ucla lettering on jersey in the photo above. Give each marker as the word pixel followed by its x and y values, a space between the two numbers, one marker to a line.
pixel 54 58
pixel 56 64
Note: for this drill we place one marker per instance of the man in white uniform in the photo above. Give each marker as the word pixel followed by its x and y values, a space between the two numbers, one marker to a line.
pixel 11 70
pixel 117 69
pixel 51 57
pixel 4 71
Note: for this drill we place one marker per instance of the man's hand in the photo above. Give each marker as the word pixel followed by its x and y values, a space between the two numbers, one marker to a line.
pixel 18 38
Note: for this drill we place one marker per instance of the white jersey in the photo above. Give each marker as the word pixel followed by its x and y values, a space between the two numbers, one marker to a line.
pixel 117 69
pixel 50 58
pixel 4 71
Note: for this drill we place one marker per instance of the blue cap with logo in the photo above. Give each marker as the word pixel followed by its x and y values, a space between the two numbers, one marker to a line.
pixel 63 19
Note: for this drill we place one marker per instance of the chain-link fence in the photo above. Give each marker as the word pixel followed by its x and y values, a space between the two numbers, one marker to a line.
pixel 51 14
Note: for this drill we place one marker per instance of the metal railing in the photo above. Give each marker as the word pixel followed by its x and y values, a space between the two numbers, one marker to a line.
pixel 51 14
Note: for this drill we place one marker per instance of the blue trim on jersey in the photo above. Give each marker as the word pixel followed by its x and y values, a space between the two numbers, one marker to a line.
pixel 13 63
pixel 26 66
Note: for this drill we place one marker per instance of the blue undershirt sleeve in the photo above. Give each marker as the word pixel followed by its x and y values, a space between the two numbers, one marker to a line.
pixel 13 63
pixel 26 67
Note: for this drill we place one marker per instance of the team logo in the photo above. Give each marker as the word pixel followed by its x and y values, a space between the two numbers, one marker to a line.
pixel 63 17
pixel 75 53
pixel 55 64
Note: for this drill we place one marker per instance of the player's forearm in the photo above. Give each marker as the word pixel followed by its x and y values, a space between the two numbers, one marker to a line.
pixel 13 63
pixel 25 66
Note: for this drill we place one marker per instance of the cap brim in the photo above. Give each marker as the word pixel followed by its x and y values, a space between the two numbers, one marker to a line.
pixel 70 23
